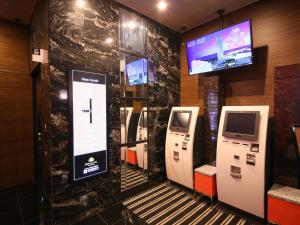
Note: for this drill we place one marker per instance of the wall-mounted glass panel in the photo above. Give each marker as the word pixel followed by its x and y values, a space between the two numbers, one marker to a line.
pixel 134 140
pixel 132 32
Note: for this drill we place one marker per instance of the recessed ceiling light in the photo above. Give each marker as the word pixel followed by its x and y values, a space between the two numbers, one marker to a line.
pixel 162 5
pixel 80 3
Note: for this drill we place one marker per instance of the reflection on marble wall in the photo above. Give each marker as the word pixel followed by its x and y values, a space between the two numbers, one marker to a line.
pixel 214 99
pixel 163 52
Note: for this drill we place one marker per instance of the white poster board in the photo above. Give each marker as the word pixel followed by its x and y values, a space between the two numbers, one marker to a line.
pixel 88 120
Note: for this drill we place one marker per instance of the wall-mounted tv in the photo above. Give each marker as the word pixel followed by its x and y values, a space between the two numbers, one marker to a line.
pixel 227 48
pixel 180 121
pixel 241 125
pixel 137 72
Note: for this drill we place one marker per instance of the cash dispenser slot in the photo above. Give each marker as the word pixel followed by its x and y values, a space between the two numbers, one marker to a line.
pixel 176 155
pixel 235 172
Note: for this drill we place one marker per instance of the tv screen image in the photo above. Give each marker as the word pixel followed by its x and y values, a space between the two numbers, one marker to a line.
pixel 242 125
pixel 223 49
pixel 180 121
pixel 137 72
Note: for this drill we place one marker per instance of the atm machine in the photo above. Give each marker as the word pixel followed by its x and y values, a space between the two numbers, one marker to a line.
pixel 125 122
pixel 182 152
pixel 142 132
pixel 241 157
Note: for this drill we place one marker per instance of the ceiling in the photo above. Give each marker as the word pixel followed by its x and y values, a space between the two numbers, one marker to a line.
pixel 17 10
pixel 179 13
pixel 185 13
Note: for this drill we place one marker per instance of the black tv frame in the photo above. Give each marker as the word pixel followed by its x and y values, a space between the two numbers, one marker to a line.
pixel 248 137
pixel 229 68
pixel 180 129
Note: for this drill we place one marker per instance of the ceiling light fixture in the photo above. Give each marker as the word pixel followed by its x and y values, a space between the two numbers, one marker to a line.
pixel 162 5
pixel 80 3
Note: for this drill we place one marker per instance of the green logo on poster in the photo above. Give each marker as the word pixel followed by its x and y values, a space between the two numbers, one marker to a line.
pixel 91 159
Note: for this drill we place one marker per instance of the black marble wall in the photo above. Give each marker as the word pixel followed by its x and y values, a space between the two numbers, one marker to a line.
pixel 163 51
pixel 77 38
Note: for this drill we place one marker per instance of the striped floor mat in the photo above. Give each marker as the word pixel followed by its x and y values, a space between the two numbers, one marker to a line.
pixel 165 204
pixel 131 177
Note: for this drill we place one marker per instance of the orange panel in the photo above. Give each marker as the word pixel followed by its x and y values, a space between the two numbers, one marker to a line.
pixel 131 157
pixel 282 212
pixel 205 184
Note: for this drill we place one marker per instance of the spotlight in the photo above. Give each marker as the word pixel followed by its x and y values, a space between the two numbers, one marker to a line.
pixel 162 5
pixel 80 3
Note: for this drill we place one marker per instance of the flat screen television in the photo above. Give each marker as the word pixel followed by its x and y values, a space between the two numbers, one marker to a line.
pixel 137 72
pixel 180 121
pixel 241 125
pixel 227 48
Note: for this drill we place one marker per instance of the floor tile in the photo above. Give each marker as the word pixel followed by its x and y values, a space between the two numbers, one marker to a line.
pixel 113 214
pixel 93 220
pixel 10 218
pixel 32 222
pixel 128 221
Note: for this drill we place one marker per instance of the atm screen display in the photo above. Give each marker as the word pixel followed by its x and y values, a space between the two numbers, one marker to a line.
pixel 180 121
pixel 242 125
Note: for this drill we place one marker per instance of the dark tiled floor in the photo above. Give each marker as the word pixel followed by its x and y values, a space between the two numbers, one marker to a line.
pixel 115 215
pixel 19 206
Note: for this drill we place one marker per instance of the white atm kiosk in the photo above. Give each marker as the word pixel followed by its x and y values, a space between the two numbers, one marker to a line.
pixel 241 157
pixel 141 134
pixel 125 115
pixel 182 154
